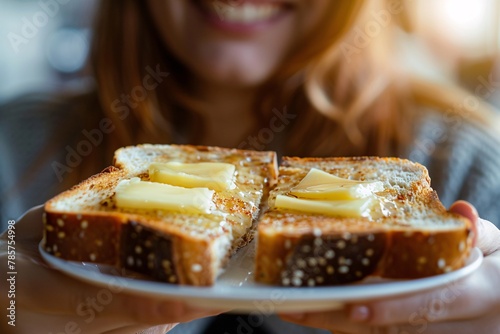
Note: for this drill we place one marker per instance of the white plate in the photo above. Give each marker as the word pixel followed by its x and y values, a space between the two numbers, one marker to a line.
pixel 236 290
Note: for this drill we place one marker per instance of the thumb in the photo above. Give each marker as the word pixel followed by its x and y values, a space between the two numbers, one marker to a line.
pixel 487 235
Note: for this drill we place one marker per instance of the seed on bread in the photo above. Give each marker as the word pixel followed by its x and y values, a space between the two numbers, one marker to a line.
pixel 157 261
pixel 301 268
pixel 461 246
pixel 196 268
pixel 343 269
pixel 406 237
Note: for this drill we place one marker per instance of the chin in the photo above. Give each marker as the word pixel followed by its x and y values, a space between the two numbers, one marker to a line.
pixel 248 63
pixel 233 77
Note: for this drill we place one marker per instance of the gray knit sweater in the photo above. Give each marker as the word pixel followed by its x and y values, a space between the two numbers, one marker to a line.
pixel 463 161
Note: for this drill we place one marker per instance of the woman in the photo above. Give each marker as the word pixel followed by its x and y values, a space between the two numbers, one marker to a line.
pixel 219 72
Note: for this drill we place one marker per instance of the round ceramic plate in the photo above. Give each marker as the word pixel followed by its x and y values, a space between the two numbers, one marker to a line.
pixel 236 290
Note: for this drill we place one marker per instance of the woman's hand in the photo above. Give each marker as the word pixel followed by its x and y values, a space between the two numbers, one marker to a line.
pixel 47 301
pixel 471 305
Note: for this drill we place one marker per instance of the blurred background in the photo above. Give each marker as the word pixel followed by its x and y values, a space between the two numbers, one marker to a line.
pixel 44 46
pixel 463 38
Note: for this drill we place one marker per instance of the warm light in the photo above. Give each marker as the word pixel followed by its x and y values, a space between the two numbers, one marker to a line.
pixel 463 12
pixel 464 18
pixel 460 27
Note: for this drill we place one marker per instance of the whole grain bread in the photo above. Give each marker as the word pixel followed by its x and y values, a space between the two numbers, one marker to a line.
pixel 84 223
pixel 409 235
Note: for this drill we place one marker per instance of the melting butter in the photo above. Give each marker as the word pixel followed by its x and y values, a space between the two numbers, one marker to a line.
pixel 361 207
pixel 324 193
pixel 318 184
pixel 137 194
pixel 217 176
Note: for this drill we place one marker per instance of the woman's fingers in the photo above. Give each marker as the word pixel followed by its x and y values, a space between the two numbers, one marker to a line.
pixel 97 309
pixel 466 299
pixel 157 330
pixel 90 307
pixel 45 293
pixel 340 324
pixel 453 308
pixel 336 321
pixel 151 311
pixel 458 307
pixel 162 329
pixel 487 235
pixel 465 209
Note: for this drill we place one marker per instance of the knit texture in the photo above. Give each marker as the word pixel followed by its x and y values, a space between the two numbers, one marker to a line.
pixel 463 162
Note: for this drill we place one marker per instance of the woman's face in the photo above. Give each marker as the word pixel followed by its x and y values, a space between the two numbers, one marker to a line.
pixel 235 42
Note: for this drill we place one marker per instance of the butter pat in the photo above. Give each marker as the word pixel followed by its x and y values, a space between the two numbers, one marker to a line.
pixel 137 194
pixel 214 175
pixel 318 184
pixel 356 208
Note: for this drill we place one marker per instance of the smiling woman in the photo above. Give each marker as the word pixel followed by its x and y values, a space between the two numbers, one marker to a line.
pixel 216 65
pixel 243 14
pixel 240 44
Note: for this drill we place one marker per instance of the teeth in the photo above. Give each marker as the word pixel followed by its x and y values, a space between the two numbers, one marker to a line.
pixel 246 12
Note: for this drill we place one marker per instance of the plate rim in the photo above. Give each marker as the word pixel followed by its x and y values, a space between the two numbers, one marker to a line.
pixel 245 298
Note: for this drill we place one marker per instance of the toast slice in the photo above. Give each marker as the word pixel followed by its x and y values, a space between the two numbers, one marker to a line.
pixel 406 234
pixel 86 223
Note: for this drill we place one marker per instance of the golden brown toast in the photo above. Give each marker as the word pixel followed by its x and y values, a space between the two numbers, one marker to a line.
pixel 85 224
pixel 408 233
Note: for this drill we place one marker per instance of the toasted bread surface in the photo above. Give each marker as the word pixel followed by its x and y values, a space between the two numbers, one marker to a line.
pixel 408 235
pixel 84 223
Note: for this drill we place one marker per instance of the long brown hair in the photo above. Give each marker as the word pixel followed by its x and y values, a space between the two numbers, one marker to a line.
pixel 342 84
pixel 349 97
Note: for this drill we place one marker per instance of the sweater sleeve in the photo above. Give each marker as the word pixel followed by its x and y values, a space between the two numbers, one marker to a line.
pixel 37 131
pixel 463 160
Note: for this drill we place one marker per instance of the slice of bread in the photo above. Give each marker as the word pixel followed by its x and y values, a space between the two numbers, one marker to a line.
pixel 408 234
pixel 85 224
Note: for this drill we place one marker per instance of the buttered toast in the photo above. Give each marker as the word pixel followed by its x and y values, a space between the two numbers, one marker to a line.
pixel 338 220
pixel 173 212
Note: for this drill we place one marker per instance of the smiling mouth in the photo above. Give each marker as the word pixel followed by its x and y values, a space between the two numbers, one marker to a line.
pixel 241 12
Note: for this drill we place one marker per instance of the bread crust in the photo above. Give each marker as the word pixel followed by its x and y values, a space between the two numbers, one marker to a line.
pixel 139 241
pixel 298 249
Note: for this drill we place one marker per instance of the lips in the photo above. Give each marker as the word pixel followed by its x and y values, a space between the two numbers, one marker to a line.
pixel 242 13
